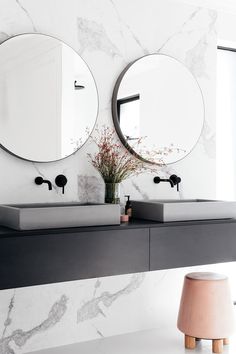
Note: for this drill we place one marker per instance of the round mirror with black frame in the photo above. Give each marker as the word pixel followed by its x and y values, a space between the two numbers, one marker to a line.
pixel 158 109
pixel 48 98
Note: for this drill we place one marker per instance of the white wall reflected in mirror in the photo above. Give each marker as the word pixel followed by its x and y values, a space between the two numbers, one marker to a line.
pixel 42 116
pixel 170 104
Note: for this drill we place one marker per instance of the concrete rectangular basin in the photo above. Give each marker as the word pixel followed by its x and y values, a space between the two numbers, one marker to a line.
pixel 58 215
pixel 183 210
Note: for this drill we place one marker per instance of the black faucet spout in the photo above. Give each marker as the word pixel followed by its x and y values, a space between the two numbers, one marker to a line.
pixel 48 183
pixel 158 180
pixel 39 180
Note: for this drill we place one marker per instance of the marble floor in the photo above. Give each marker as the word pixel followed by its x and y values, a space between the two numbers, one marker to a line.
pixel 161 341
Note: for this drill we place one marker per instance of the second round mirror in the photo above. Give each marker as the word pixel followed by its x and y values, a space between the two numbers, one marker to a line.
pixel 158 109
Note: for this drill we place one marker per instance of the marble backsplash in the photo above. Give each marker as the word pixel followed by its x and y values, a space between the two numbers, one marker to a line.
pixel 108 34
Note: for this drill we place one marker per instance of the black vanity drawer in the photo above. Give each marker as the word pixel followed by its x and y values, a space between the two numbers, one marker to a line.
pixel 50 258
pixel 182 246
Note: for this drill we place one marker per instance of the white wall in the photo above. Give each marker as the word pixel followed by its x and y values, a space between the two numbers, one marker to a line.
pixel 226 14
pixel 108 34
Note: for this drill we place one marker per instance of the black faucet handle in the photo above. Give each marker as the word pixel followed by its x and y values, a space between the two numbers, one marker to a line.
pixel 61 181
pixel 176 181
pixel 38 180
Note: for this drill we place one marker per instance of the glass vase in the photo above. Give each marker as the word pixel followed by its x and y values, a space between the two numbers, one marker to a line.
pixel 112 193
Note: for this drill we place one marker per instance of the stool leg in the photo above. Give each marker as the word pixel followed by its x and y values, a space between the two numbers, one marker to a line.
pixel 226 341
pixel 190 342
pixel 217 345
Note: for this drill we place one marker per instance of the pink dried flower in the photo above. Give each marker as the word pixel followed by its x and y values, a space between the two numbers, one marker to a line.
pixel 113 161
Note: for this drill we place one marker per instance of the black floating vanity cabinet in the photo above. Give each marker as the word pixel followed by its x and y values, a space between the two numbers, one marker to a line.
pixel 47 256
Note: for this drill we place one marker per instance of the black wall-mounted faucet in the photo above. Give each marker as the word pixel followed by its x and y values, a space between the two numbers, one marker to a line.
pixel 39 180
pixel 173 180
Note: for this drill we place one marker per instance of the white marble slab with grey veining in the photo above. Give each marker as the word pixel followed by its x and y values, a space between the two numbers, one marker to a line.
pixel 108 34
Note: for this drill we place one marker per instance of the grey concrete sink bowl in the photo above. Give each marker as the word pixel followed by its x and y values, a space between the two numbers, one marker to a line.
pixel 58 215
pixel 183 210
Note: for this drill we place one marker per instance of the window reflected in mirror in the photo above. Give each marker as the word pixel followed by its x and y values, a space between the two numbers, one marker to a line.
pixel 128 110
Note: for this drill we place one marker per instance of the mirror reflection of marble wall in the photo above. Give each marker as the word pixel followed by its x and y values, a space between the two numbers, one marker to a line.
pixel 43 116
pixel 158 100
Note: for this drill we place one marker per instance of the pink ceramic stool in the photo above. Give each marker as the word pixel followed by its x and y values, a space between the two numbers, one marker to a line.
pixel 206 310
